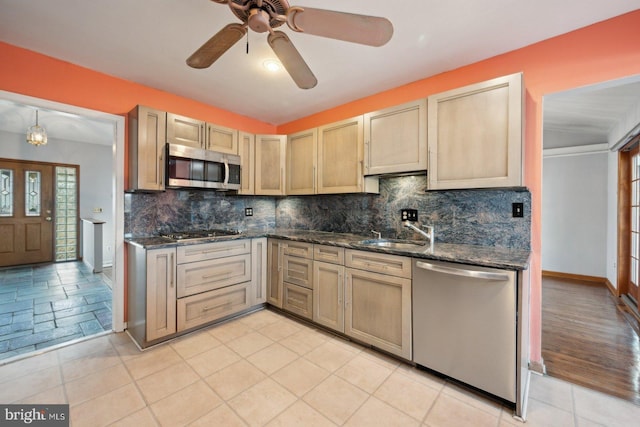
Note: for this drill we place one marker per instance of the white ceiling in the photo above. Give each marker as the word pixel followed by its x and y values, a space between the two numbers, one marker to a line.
pixel 148 41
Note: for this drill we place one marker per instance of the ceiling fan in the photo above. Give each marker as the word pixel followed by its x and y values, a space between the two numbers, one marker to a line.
pixel 265 15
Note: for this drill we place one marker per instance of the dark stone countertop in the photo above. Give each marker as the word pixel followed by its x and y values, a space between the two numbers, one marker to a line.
pixel 485 256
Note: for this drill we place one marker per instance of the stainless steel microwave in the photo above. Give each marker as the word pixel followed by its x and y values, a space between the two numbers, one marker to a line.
pixel 189 167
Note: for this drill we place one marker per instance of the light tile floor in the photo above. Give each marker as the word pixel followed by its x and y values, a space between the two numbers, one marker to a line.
pixel 45 305
pixel 266 369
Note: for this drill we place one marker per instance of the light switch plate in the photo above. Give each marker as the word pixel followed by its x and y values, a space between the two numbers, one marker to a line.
pixel 409 215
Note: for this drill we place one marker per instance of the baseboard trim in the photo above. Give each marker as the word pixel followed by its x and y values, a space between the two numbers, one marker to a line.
pixel 538 367
pixel 582 278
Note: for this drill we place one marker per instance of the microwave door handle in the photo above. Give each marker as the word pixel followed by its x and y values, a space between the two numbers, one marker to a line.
pixel 226 172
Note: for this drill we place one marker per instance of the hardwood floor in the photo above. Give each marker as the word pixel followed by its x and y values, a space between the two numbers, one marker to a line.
pixel 586 339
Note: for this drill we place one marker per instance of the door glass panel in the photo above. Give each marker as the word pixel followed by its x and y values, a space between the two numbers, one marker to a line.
pixel 6 192
pixel 635 219
pixel 66 213
pixel 32 197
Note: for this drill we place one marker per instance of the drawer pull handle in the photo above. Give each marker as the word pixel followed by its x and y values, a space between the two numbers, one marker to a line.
pixel 213 307
pixel 223 273
pixel 300 272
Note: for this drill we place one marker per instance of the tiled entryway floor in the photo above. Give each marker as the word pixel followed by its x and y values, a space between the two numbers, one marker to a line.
pixel 45 305
pixel 266 369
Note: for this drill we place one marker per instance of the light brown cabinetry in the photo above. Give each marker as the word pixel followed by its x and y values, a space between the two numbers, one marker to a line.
pixel 341 159
pixel 302 150
pixel 328 294
pixel 475 135
pixel 259 270
pixel 378 305
pixel 275 254
pixel 196 133
pixel 297 278
pixel 247 152
pixel 151 293
pixel 147 128
pixel 396 139
pixel 214 280
pixel 270 165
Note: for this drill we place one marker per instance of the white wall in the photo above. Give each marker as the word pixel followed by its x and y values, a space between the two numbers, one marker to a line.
pixel 96 175
pixel 574 213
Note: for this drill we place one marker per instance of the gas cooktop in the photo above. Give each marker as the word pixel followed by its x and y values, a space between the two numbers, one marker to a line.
pixel 199 234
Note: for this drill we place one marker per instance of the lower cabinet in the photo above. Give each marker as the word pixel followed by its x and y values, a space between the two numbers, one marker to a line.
pixel 275 248
pixel 206 307
pixel 378 310
pixel 172 290
pixel 298 300
pixel 328 295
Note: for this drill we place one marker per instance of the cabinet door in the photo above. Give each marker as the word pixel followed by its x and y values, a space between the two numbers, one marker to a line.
pixel 340 157
pixel 185 131
pixel 161 293
pixel 298 271
pixel 328 294
pixel 396 139
pixel 146 148
pixel 247 152
pixel 378 311
pixel 475 135
pixel 221 139
pixel 270 164
pixel 298 300
pixel 274 278
pixel 301 162
pixel 259 270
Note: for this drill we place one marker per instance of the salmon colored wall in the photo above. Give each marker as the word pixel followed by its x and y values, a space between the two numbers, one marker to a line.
pixel 604 51
pixel 29 73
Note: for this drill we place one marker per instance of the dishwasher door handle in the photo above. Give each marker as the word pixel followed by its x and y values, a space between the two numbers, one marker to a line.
pixel 483 275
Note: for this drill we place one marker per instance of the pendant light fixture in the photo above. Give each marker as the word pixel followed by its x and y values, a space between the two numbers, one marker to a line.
pixel 36 135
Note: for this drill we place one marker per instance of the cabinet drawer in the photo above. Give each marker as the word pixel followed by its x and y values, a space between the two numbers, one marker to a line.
pixel 332 254
pixel 209 306
pixel 298 271
pixel 301 249
pixel 298 300
pixel 380 263
pixel 206 251
pixel 202 276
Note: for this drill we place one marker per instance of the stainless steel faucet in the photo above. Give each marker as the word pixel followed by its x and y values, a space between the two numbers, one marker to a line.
pixel 429 234
pixel 377 233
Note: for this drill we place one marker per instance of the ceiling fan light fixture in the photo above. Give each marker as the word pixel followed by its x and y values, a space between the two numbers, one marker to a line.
pixel 272 65
pixel 259 20
pixel 36 135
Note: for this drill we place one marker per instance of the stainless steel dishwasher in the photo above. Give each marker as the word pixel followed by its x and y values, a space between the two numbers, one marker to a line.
pixel 464 324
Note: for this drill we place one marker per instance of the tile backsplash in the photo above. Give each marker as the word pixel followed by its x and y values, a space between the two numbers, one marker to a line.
pixel 476 217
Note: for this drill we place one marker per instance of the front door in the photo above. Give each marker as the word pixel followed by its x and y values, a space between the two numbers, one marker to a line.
pixel 634 235
pixel 26 211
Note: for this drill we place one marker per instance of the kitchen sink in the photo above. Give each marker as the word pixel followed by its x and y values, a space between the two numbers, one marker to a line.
pixel 393 244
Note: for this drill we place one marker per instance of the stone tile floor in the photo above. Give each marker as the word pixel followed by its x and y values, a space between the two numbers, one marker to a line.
pixel 45 305
pixel 267 369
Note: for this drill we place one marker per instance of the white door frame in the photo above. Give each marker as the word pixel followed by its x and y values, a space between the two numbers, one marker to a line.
pixel 117 186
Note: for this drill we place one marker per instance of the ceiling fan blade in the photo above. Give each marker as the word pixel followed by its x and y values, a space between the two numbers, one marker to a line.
pixel 213 48
pixel 291 60
pixel 362 29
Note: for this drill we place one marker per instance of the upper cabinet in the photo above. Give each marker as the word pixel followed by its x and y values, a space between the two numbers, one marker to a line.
pixel 302 150
pixel 475 135
pixel 196 133
pixel 270 165
pixel 341 159
pixel 146 149
pixel 247 152
pixel 396 139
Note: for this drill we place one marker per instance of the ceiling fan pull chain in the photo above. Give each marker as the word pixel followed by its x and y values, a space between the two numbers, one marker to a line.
pixel 247 42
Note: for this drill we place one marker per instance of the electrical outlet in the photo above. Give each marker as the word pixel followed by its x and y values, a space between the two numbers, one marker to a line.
pixel 248 211
pixel 517 210
pixel 409 214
